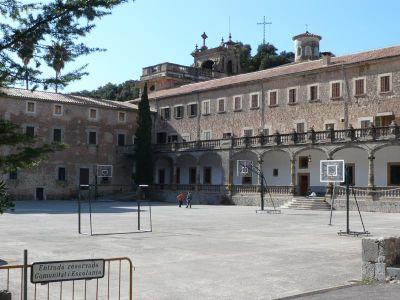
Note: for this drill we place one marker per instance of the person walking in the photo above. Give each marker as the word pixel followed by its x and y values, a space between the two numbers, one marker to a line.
pixel 180 198
pixel 189 200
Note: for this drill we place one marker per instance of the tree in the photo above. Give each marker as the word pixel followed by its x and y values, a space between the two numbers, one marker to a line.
pixel 28 31
pixel 24 152
pixel 143 153
pixel 119 92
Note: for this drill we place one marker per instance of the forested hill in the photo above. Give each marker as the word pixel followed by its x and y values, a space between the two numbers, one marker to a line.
pixel 119 92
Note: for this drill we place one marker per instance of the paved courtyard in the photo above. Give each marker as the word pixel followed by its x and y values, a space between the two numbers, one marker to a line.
pixel 207 252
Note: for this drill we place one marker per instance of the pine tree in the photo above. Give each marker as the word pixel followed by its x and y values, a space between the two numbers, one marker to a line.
pixel 143 153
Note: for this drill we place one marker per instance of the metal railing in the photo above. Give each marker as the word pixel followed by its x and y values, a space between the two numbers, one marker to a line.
pixel 112 286
pixel 310 137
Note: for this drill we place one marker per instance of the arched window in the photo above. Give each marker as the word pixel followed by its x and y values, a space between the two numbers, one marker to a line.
pixel 229 68
pixel 208 64
pixel 308 51
pixel 316 51
pixel 298 51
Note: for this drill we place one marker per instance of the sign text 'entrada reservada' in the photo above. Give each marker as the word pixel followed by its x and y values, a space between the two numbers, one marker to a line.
pixel 43 272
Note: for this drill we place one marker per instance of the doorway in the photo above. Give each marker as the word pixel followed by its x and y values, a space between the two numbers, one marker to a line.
pixel 39 193
pixel 383 120
pixel 304 183
pixel 161 176
pixel 83 176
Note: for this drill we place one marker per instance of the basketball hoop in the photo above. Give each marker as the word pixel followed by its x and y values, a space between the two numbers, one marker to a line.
pixel 244 168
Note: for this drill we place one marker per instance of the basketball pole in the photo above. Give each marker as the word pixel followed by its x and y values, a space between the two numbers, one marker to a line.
pixel 262 190
pixel 347 201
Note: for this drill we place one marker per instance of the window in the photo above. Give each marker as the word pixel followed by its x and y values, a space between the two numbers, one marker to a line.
pixel 303 162
pixel 313 93
pixel 273 98
pixel 275 172
pixel 186 137
pixel 248 132
pixel 226 135
pixel 165 113
pixel 57 135
pixel 92 113
pixel 254 103
pixel 61 174
pixel 207 175
pixel 237 103
pixel 121 117
pixel 307 51
pixel 206 135
pixel 173 138
pixel 205 107
pixel 221 105
pixel 92 138
pixel 192 175
pixel 265 131
pixel 30 131
pixel 350 171
pixel 30 107
pixel 161 137
pixel 58 110
pixel 292 95
pixel 247 179
pixel 192 110
pixel 13 175
pixel 385 84
pixel 300 127
pixel 330 126
pixel 365 123
pixel 393 173
pixel 359 86
pixel 298 51
pixel 336 90
pixel 178 112
pixel 121 139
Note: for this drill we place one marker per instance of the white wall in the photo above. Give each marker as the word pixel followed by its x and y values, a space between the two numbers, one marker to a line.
pixel 276 160
pixel 213 161
pixel 382 157
pixel 313 166
pixel 358 157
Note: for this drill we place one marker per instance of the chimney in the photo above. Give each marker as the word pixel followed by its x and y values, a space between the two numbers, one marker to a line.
pixel 326 58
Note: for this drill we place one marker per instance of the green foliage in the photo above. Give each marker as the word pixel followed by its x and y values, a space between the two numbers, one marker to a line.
pixel 25 151
pixel 47 31
pixel 5 202
pixel 266 57
pixel 119 92
pixel 143 153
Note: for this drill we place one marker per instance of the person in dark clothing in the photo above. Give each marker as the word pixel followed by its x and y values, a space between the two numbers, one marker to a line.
pixel 189 200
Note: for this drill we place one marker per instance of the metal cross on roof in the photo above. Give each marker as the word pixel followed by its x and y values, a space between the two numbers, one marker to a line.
pixel 264 23
pixel 204 37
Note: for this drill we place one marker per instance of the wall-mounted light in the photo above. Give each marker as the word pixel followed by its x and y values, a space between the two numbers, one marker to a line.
pixel 309 158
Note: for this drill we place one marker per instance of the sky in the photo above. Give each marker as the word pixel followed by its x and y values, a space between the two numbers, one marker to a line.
pixel 147 32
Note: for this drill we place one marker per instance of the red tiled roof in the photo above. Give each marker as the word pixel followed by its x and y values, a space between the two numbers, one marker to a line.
pixel 64 98
pixel 277 71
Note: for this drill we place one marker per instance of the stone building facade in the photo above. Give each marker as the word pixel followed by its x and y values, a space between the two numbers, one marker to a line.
pixel 285 119
pixel 96 132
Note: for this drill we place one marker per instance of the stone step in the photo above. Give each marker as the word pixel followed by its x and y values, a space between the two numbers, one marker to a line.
pixel 304 203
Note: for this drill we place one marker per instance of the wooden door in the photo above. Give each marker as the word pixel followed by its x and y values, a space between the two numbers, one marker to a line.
pixel 84 176
pixel 304 183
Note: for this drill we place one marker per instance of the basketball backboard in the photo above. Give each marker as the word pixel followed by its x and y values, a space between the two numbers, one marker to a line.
pixel 332 171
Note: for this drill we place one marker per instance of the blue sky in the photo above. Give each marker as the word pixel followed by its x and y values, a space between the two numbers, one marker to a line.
pixel 147 32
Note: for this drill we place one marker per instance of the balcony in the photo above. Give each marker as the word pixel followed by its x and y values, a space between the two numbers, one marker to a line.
pixel 369 134
pixel 179 71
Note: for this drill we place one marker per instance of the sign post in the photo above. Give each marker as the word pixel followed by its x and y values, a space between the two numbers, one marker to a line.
pixel 45 272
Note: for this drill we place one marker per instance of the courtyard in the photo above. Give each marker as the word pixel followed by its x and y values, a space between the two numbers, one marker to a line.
pixel 207 252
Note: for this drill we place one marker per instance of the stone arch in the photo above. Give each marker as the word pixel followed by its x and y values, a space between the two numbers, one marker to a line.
pixel 356 158
pixel 163 169
pixel 298 151
pixel 208 64
pixel 229 67
pixel 386 164
pixel 186 165
pixel 213 161
pixel 276 167
pixel 333 151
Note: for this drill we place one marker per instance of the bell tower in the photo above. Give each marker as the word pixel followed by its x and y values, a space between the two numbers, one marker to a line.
pixel 306 46
pixel 224 59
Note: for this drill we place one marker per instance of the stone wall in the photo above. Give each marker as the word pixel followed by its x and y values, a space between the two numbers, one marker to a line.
pixel 75 126
pixel 377 255
pixel 384 205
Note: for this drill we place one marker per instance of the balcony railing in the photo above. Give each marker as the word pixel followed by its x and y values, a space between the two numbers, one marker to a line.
pixel 294 138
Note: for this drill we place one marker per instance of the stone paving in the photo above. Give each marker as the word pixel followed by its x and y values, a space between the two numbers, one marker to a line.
pixel 207 252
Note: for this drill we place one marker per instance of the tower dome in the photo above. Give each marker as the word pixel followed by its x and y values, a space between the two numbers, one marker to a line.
pixel 306 46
